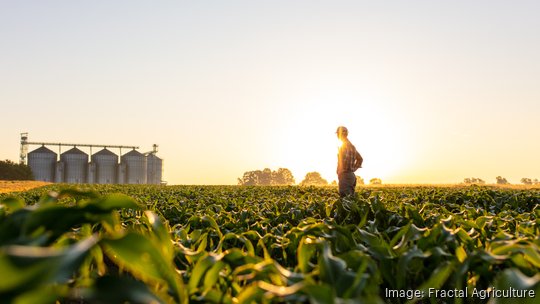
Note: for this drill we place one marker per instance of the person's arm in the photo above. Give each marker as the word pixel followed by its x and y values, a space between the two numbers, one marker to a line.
pixel 357 160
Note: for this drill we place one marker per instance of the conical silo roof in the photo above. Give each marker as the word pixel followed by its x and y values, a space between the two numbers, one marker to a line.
pixel 74 150
pixel 42 149
pixel 133 153
pixel 105 152
pixel 153 156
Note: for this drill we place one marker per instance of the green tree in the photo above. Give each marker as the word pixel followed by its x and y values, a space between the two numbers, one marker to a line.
pixel 12 171
pixel 313 179
pixel 250 178
pixel 375 181
pixel 501 180
pixel 474 180
pixel 526 181
pixel 267 177
pixel 282 176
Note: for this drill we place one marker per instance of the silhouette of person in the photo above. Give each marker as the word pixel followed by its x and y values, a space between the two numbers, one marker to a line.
pixel 349 160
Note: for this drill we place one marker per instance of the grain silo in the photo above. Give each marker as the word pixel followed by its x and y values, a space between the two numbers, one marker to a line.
pixel 135 163
pixel 154 169
pixel 75 165
pixel 42 161
pixel 106 166
pixel 72 166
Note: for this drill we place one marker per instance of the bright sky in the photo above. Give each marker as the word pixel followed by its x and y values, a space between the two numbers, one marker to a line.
pixel 431 91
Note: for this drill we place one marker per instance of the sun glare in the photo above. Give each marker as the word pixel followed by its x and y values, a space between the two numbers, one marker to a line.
pixel 313 144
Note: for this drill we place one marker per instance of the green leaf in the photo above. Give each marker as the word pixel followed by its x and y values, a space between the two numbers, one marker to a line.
pixel 111 202
pixel 140 256
pixel 123 289
pixel 513 279
pixel 250 294
pixel 28 267
pixel 199 270
pixel 439 277
pixel 320 294
pixel 12 203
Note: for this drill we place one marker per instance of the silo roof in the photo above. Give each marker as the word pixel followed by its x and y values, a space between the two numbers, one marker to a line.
pixel 74 150
pixel 42 149
pixel 153 156
pixel 133 153
pixel 105 152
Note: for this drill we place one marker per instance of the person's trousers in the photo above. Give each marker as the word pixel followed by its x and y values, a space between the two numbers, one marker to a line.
pixel 347 183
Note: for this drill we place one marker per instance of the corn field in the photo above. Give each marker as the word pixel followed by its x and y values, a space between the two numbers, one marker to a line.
pixel 236 244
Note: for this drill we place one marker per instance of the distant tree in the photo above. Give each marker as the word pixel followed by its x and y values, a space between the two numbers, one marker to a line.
pixel 535 181
pixel 474 180
pixel 282 176
pixel 359 180
pixel 526 181
pixel 266 177
pixel 313 179
pixel 250 178
pixel 12 171
pixel 375 181
pixel 501 180
pixel 333 183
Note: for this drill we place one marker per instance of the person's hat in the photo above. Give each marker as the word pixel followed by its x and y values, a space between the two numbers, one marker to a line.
pixel 343 130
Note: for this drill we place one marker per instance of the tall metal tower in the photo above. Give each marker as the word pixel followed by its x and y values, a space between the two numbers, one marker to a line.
pixel 24 148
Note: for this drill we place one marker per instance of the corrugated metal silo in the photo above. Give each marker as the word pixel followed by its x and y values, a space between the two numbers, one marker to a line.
pixel 42 162
pixel 135 167
pixel 76 163
pixel 154 169
pixel 106 166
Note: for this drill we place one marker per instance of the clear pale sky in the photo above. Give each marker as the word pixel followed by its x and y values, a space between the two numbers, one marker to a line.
pixel 431 91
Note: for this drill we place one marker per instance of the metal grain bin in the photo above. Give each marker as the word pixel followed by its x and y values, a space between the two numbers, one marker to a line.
pixel 42 161
pixel 106 166
pixel 135 167
pixel 154 169
pixel 75 165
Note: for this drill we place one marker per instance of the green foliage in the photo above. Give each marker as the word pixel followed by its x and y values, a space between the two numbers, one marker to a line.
pixel 228 244
pixel 313 179
pixel 12 171
pixel 474 180
pixel 267 177
pixel 501 180
pixel 375 181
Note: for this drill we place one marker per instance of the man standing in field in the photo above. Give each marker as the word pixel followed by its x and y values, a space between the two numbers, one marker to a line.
pixel 349 160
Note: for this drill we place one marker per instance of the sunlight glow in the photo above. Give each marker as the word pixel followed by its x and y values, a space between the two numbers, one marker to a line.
pixel 309 143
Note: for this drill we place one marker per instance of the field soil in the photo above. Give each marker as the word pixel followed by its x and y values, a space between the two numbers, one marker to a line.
pixel 15 186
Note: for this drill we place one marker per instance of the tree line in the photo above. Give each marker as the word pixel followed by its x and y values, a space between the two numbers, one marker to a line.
pixel 500 181
pixel 284 177
pixel 13 171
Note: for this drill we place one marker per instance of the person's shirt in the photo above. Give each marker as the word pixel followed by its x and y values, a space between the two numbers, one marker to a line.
pixel 349 160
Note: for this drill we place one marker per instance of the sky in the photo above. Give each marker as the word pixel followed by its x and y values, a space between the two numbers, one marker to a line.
pixel 431 91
